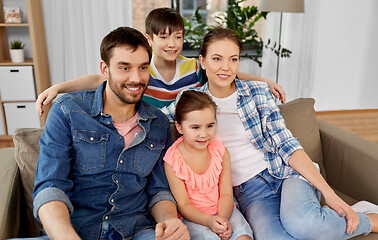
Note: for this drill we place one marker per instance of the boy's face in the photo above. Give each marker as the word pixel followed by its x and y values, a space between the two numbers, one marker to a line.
pixel 167 47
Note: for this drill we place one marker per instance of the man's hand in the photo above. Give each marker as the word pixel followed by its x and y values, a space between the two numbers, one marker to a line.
pixel 171 229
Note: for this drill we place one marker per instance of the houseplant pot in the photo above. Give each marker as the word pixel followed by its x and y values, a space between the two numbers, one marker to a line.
pixel 17 55
pixel 17 51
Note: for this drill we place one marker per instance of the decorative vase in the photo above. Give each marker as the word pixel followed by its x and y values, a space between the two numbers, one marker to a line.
pixel 17 55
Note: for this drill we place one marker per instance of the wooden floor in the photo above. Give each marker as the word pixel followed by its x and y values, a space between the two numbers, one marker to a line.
pixel 360 122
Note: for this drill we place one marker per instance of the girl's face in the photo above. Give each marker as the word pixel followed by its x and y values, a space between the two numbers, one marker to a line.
pixel 221 64
pixel 198 128
pixel 167 47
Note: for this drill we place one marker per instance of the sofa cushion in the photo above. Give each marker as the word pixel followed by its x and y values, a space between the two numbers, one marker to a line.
pixel 300 119
pixel 26 141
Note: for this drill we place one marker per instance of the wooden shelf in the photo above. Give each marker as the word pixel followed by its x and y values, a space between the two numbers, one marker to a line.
pixel 14 24
pixel 28 62
pixel 38 61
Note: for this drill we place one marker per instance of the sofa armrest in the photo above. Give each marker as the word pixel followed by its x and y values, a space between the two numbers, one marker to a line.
pixel 351 162
pixel 9 194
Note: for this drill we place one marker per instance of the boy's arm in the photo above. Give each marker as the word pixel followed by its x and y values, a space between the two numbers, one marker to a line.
pixel 56 222
pixel 87 82
pixel 276 89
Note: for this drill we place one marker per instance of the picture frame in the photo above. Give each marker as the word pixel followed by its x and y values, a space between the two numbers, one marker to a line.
pixel 12 15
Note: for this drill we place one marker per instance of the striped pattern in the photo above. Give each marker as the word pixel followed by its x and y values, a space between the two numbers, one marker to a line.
pixel 161 93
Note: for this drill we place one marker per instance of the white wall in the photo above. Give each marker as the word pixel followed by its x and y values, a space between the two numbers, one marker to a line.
pixel 346 62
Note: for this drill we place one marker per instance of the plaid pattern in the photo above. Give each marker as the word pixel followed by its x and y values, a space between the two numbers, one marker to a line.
pixel 263 123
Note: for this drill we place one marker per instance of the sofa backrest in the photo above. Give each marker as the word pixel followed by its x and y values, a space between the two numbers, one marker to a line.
pixel 299 116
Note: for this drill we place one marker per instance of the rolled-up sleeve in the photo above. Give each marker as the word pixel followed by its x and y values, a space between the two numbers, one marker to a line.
pixel 52 180
pixel 284 141
pixel 50 194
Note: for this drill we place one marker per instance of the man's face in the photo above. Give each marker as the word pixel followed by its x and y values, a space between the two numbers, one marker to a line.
pixel 127 74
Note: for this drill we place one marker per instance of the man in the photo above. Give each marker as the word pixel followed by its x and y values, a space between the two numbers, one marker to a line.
pixel 100 172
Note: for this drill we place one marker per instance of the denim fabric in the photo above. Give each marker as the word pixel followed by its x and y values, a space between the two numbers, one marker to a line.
pixel 263 123
pixel 290 209
pixel 109 233
pixel 82 163
pixel 238 223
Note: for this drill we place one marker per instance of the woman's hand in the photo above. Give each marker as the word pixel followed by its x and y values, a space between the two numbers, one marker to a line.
pixel 45 98
pixel 344 210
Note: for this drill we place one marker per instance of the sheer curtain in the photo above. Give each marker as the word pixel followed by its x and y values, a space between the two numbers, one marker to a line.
pixel 74 31
pixel 299 31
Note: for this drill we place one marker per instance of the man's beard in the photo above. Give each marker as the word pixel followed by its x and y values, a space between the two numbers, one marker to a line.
pixel 128 99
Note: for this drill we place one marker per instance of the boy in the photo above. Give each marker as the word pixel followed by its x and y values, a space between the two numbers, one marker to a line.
pixel 169 71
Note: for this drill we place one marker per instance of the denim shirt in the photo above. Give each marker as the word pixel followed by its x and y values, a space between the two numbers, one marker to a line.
pixel 264 124
pixel 83 164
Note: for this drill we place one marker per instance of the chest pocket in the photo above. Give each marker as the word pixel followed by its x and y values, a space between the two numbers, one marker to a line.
pixel 90 150
pixel 147 154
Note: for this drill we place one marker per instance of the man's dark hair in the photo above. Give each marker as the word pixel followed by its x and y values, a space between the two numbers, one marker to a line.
pixel 123 36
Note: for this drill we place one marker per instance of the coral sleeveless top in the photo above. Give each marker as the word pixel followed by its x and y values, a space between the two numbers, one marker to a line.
pixel 203 189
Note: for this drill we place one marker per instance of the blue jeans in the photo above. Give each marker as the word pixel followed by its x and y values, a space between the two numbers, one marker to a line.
pixel 238 223
pixel 109 233
pixel 290 209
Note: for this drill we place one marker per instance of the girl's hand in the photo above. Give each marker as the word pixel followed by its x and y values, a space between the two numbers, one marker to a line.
pixel 344 210
pixel 226 234
pixel 277 90
pixel 218 224
pixel 45 98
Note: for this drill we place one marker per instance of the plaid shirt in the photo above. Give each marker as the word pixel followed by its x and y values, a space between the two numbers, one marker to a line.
pixel 264 124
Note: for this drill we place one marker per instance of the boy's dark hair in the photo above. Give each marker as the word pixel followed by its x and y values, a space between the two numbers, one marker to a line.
pixel 192 100
pixel 123 36
pixel 219 33
pixel 159 19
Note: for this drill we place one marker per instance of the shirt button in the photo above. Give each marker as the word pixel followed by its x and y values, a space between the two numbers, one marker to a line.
pixel 106 217
pixel 151 145
pixel 121 161
pixel 120 137
pixel 108 122
pixel 117 181
pixel 91 138
pixel 112 200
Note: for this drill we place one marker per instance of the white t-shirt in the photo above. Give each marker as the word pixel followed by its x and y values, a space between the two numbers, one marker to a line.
pixel 246 160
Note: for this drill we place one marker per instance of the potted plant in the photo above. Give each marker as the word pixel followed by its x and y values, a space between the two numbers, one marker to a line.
pixel 17 51
pixel 242 21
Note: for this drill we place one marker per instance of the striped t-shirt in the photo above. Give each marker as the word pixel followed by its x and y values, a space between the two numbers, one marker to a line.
pixel 161 93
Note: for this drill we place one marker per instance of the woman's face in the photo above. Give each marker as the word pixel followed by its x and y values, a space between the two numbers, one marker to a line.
pixel 221 64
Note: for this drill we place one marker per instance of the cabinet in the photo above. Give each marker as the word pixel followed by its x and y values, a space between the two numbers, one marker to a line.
pixel 20 83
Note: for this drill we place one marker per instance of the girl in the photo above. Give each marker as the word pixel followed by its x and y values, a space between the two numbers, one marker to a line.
pixel 197 166
pixel 267 161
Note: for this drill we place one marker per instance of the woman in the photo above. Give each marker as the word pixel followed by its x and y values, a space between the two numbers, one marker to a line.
pixel 276 184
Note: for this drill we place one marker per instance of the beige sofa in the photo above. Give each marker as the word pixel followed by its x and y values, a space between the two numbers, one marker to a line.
pixel 349 163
